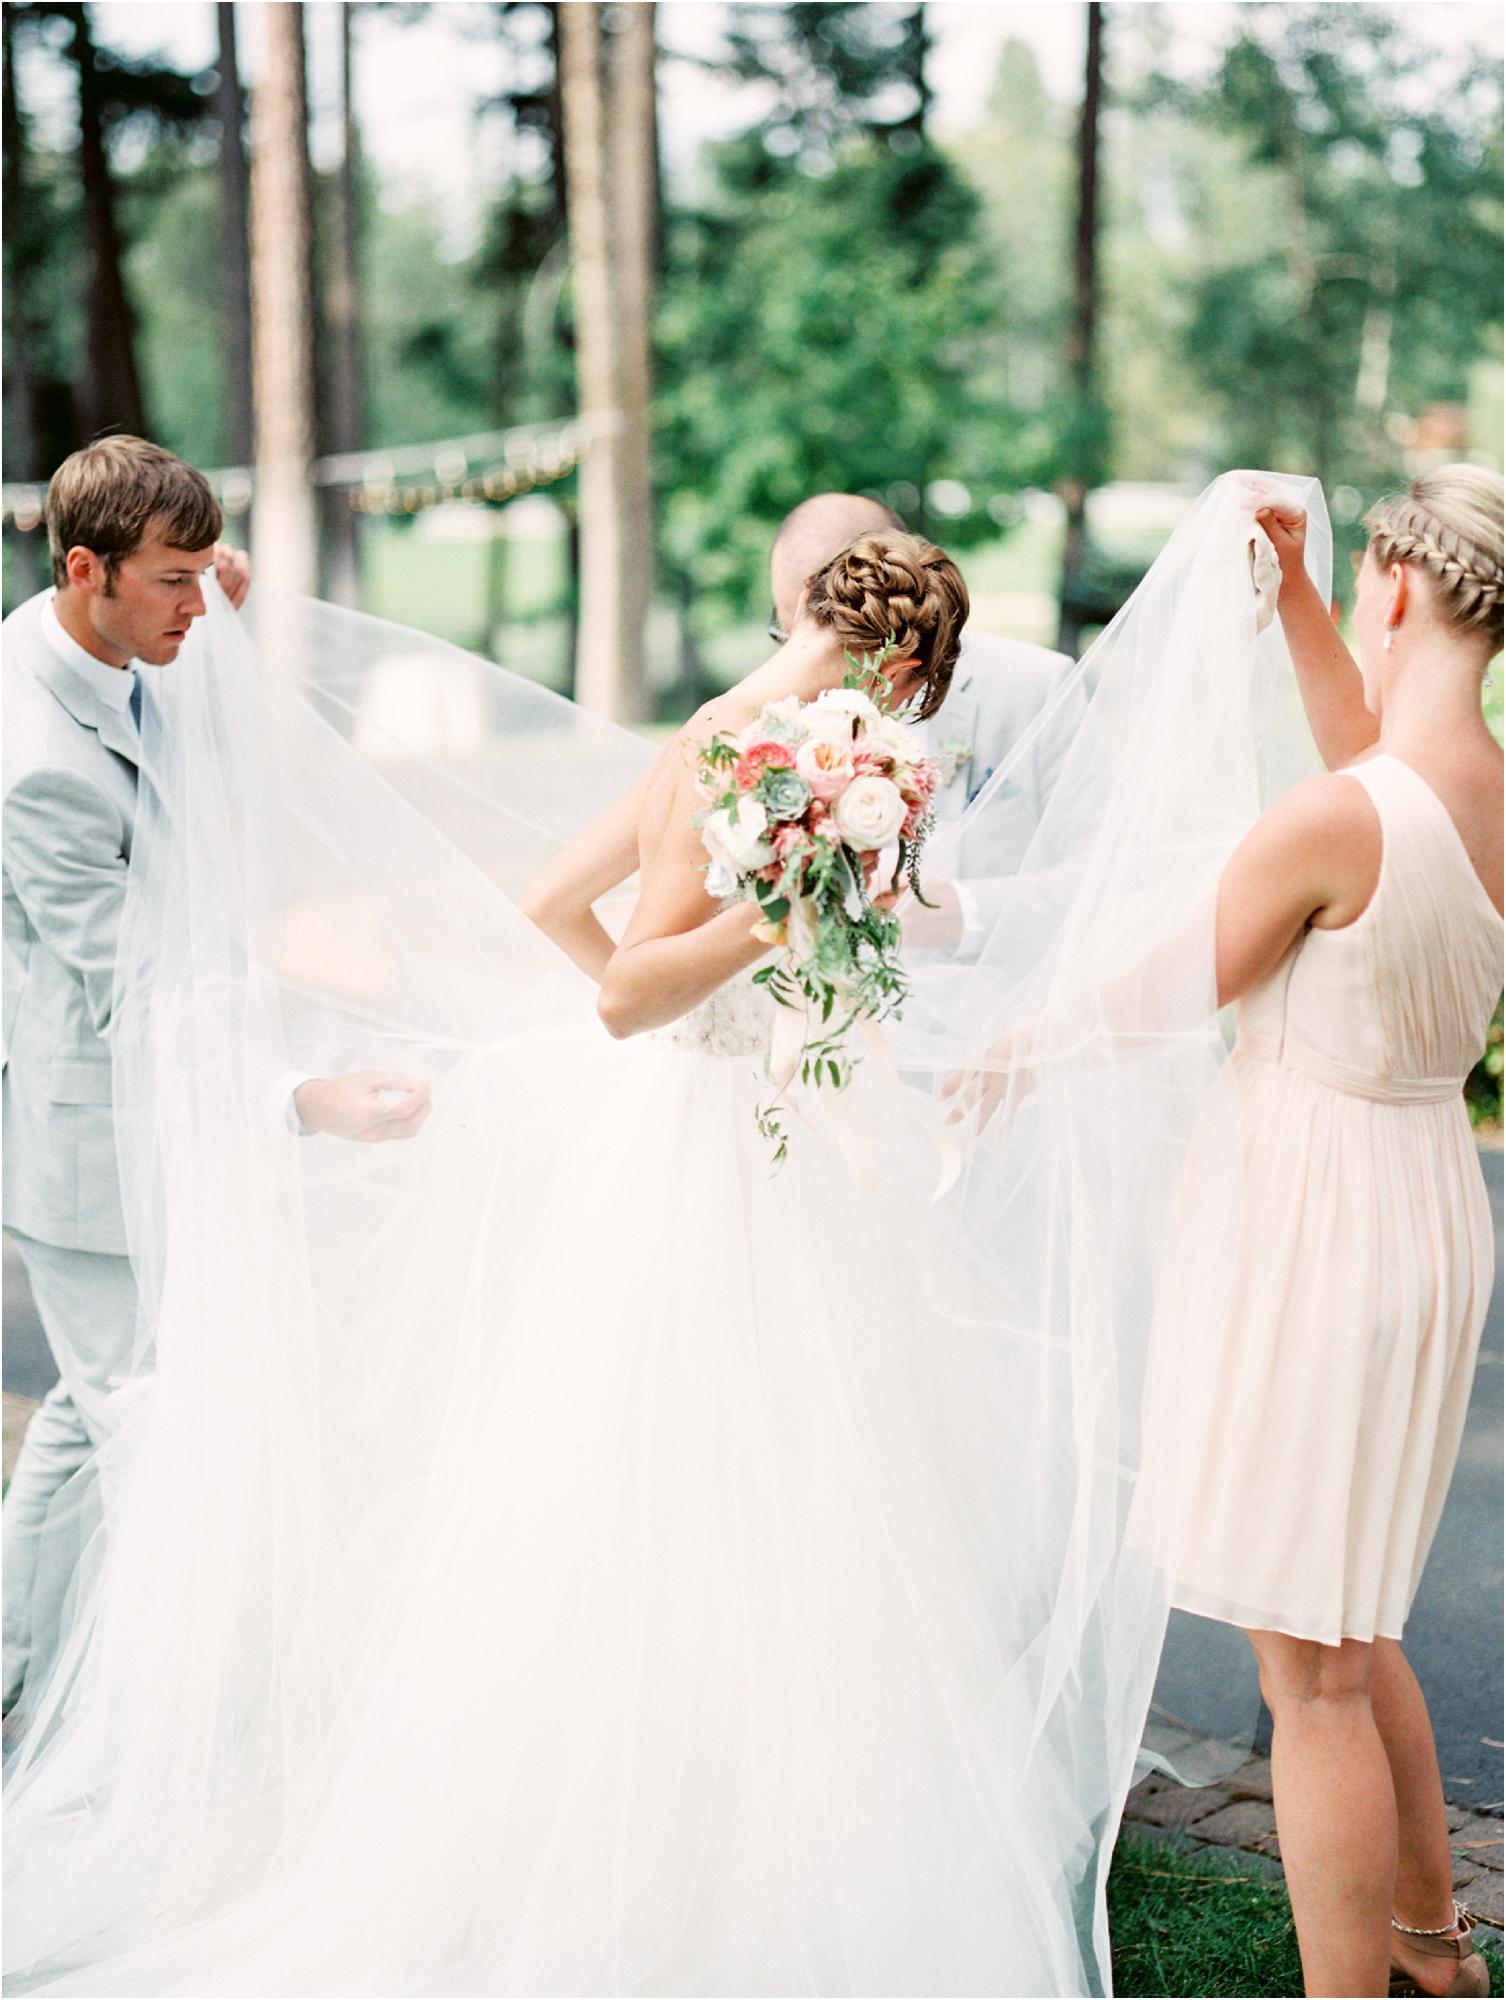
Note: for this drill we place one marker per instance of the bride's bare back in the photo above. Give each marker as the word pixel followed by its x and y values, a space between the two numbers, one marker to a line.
pixel 677 947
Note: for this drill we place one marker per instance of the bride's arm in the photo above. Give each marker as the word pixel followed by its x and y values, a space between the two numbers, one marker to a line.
pixel 560 898
pixel 1332 692
pixel 677 949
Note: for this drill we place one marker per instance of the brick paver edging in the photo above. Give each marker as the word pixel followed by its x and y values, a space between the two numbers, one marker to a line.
pixel 1238 1814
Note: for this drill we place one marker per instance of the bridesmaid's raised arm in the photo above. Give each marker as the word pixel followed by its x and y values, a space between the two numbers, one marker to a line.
pixel 1333 692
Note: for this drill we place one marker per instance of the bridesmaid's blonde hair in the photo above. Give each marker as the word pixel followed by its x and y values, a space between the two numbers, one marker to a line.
pixel 1448 525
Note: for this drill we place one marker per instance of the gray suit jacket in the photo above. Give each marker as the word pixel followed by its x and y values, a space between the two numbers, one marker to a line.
pixel 1000 688
pixel 69 819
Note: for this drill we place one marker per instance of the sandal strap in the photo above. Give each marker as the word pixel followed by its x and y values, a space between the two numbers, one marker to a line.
pixel 1444 1932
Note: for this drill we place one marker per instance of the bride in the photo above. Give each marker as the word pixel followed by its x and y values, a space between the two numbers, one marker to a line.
pixel 570 1557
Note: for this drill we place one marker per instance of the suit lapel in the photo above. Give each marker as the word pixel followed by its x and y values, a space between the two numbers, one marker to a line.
pixel 112 726
pixel 952 738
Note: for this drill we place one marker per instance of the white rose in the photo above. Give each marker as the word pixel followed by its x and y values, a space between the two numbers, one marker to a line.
pixel 898 738
pixel 870 813
pixel 735 836
pixel 846 701
pixel 831 725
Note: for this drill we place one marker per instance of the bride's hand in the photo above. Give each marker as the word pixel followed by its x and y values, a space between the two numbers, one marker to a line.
pixel 1286 525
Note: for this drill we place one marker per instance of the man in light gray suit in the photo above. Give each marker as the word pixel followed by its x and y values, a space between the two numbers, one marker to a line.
pixel 133 532
pixel 1000 689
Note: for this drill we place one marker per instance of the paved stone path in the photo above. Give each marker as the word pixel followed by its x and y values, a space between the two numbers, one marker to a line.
pixel 1238 1814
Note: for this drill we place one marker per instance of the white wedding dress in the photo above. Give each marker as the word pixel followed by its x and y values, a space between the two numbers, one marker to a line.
pixel 562 1555
pixel 699 1669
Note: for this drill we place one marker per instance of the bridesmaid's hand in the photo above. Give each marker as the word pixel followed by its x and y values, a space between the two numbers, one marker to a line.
pixel 976 1094
pixel 1286 525
pixel 233 568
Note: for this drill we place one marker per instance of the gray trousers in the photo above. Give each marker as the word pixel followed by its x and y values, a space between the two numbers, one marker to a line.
pixel 87 1305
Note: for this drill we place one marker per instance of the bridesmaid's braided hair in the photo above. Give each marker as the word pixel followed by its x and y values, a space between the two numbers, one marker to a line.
pixel 1448 525
pixel 893 588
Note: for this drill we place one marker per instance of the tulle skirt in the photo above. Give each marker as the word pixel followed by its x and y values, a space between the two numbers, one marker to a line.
pixel 700 1652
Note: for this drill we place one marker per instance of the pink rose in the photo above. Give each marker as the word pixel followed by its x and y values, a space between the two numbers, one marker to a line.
pixel 758 758
pixel 826 764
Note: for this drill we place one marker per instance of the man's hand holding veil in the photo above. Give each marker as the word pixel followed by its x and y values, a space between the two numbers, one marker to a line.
pixel 367 1105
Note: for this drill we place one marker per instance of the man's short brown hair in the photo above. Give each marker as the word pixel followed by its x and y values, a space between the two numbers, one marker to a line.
pixel 106 496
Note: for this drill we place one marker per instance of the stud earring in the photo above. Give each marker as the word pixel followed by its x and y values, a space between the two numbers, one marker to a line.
pixel 1390 639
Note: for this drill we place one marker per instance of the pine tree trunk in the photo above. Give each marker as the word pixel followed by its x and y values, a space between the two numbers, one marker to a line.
pixel 109 397
pixel 632 118
pixel 28 551
pixel 1082 341
pixel 286 538
pixel 917 49
pixel 560 208
pixel 609 177
pixel 343 326
pixel 235 247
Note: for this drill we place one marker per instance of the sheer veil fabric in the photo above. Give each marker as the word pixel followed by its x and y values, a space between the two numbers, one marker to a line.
pixel 557 1554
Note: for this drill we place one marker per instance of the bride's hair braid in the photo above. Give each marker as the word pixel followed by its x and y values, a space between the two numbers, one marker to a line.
pixel 1448 525
pixel 893 587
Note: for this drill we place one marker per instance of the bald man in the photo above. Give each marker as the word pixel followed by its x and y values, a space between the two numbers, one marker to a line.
pixel 1000 688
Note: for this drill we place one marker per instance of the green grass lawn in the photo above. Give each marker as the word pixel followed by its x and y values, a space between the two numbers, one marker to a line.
pixel 1185 1920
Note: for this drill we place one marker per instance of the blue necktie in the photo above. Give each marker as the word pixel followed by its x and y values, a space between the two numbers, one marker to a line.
pixel 136 700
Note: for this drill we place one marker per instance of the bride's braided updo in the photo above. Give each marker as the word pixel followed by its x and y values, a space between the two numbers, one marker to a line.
pixel 894 588
pixel 1448 525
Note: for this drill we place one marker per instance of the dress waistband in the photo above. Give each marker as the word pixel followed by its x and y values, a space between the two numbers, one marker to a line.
pixel 1339 1076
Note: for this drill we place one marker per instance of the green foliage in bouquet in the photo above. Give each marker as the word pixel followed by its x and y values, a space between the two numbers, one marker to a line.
pixel 772 841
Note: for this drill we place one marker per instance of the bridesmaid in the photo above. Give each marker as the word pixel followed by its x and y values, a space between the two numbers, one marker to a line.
pixel 1316 1418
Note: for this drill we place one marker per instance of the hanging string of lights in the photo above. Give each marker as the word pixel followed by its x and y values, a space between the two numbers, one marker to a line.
pixel 488 469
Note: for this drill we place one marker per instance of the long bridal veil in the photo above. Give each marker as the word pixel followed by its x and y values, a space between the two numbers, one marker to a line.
pixel 336 821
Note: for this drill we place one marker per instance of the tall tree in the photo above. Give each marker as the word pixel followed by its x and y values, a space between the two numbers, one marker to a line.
pixel 66 240
pixel 342 326
pixel 632 120
pixel 109 395
pixel 235 244
pixel 608 108
pixel 1376 289
pixel 21 455
pixel 1086 440
pixel 781 342
pixel 285 522
pixel 833 67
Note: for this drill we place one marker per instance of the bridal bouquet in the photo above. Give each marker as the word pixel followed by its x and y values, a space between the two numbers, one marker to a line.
pixel 801 805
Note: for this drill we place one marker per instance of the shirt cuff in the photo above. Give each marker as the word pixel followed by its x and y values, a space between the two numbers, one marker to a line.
pixel 971 941
pixel 284 1110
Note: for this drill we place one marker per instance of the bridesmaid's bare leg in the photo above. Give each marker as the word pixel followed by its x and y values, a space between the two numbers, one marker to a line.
pixel 1425 1864
pixel 1335 1809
